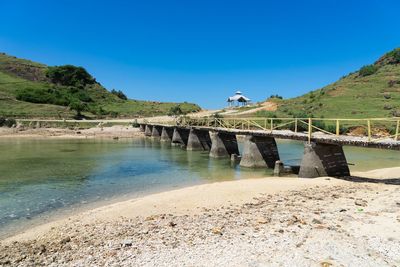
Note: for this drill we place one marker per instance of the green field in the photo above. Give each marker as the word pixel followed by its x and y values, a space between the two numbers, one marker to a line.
pixel 375 95
pixel 19 76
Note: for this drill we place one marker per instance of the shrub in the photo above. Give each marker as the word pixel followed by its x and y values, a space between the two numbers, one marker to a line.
pixel 276 96
pixel 2 121
pixel 175 110
pixel 119 94
pixel 367 70
pixel 69 75
pixel 394 56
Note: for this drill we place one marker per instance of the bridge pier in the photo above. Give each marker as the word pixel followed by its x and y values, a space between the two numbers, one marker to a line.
pixel 156 131
pixel 148 130
pixel 321 159
pixel 199 140
pixel 142 127
pixel 259 152
pixel 180 136
pixel 166 134
pixel 223 145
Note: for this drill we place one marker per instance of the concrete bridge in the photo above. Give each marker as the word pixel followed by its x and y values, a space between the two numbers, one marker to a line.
pixel 323 151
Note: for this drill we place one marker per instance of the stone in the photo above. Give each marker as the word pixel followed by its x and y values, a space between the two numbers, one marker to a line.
pixel 126 243
pixel 279 168
pixel 217 230
pixel 360 202
pixel 65 240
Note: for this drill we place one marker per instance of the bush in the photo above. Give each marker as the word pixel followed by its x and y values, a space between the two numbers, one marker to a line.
pixel 367 70
pixel 2 121
pixel 394 56
pixel 7 122
pixel 175 110
pixel 69 75
pixel 119 94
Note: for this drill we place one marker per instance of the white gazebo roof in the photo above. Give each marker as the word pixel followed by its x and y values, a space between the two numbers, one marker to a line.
pixel 238 97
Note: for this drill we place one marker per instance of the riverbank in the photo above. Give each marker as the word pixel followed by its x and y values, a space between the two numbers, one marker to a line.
pixel 272 221
pixel 116 131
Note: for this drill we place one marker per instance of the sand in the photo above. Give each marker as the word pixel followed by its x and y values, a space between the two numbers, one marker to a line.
pixel 255 222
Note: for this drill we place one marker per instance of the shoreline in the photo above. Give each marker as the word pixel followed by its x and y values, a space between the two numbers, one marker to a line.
pixel 197 198
pixel 266 221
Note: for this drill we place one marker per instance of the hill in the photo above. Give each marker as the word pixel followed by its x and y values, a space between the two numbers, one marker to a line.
pixel 33 90
pixel 372 91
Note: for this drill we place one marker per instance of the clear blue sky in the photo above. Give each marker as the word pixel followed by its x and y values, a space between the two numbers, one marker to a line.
pixel 202 51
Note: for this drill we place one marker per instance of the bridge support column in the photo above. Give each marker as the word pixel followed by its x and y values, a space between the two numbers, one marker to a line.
pixel 323 160
pixel 156 131
pixel 199 140
pixel 148 130
pixel 259 152
pixel 166 134
pixel 223 145
pixel 142 127
pixel 180 136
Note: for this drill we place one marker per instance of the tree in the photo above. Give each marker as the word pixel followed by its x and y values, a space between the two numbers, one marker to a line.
pixel 69 75
pixel 78 106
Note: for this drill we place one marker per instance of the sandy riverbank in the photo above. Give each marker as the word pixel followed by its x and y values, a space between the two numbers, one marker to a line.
pixel 117 131
pixel 272 221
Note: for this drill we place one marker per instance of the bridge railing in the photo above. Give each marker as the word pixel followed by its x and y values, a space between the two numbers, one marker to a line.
pixel 375 129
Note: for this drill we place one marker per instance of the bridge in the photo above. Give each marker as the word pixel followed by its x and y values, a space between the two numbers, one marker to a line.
pixel 323 139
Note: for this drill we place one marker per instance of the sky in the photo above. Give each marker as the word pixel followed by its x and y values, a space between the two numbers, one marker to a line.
pixel 203 51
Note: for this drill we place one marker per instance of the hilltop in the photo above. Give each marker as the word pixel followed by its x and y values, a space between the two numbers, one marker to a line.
pixel 33 90
pixel 372 91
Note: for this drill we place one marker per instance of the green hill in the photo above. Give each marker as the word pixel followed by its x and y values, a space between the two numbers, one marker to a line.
pixel 33 90
pixel 372 91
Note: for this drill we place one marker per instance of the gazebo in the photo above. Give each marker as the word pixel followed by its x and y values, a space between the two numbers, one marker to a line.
pixel 239 99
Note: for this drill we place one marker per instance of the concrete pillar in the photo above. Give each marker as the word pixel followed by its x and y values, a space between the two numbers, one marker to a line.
pixel 199 140
pixel 142 127
pixel 223 145
pixel 166 134
pixel 156 131
pixel 259 151
pixel 148 130
pixel 180 136
pixel 323 160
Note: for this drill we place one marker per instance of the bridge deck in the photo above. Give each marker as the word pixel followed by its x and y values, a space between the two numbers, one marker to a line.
pixel 303 136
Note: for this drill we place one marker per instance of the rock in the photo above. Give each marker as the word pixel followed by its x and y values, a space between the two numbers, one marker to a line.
pixel 342 210
pixel 126 243
pixel 65 240
pixel 217 230
pixel 361 202
pixel 316 221
pixel 263 220
pixel 172 224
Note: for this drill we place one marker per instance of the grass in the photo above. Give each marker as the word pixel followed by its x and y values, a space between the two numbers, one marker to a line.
pixel 20 75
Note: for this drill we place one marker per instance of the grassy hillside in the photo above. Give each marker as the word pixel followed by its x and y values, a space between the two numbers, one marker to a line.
pixel 30 90
pixel 372 91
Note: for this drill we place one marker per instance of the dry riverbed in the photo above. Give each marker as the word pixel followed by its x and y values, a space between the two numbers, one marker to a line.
pixel 260 222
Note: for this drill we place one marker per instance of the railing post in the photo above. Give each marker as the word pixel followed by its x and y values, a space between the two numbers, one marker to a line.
pixel 309 130
pixel 295 125
pixel 397 131
pixel 369 130
pixel 265 124
pixel 272 125
pixel 337 128
pixel 248 125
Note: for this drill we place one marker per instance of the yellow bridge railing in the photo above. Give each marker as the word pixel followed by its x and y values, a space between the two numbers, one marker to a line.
pixel 375 129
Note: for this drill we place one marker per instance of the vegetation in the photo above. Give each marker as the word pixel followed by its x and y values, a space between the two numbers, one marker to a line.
pixel 119 94
pixel 33 90
pixel 368 70
pixel 10 122
pixel 354 96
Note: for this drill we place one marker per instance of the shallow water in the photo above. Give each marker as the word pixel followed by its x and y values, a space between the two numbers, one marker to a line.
pixel 39 177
